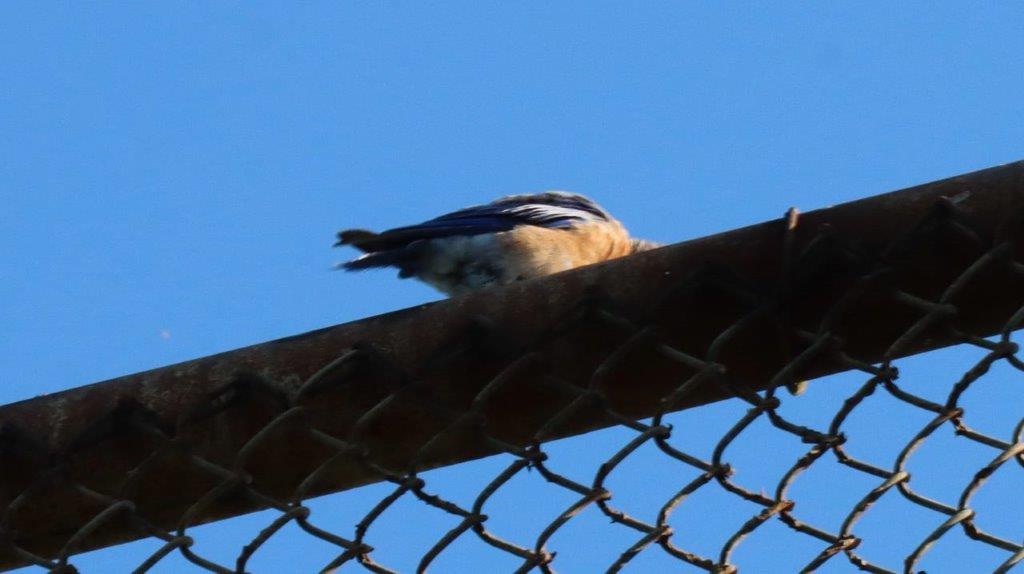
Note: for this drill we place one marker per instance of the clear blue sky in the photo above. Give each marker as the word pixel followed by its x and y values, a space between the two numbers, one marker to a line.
pixel 172 174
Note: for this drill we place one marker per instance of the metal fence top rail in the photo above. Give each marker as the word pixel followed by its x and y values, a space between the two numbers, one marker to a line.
pixel 411 390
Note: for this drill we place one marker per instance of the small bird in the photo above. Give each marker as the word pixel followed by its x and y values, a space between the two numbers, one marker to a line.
pixel 513 238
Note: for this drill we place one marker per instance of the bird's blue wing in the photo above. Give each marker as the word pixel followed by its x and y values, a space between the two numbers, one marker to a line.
pixel 552 209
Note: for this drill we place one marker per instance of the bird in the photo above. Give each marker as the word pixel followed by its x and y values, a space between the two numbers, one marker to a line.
pixel 513 238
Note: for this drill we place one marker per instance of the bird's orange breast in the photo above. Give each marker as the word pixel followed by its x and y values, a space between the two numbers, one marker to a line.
pixel 532 251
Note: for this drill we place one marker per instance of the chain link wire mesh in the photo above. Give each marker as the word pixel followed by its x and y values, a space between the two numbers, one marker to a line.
pixel 964 263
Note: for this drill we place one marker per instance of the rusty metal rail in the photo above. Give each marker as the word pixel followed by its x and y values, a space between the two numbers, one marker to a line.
pixel 734 315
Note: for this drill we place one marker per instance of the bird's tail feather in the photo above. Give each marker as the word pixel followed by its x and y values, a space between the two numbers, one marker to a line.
pixel 355 237
pixel 374 260
pixel 406 259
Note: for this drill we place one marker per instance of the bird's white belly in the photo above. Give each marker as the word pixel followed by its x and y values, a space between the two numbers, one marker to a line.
pixel 460 264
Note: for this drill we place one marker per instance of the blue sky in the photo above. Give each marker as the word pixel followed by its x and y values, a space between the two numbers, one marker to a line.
pixel 173 173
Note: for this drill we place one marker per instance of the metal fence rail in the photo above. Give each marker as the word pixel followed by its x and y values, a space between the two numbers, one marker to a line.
pixel 737 315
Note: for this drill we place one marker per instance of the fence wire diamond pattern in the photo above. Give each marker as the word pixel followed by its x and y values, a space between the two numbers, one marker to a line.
pixel 961 260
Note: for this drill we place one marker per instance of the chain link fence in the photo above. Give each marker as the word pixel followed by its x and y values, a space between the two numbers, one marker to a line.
pixel 844 296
